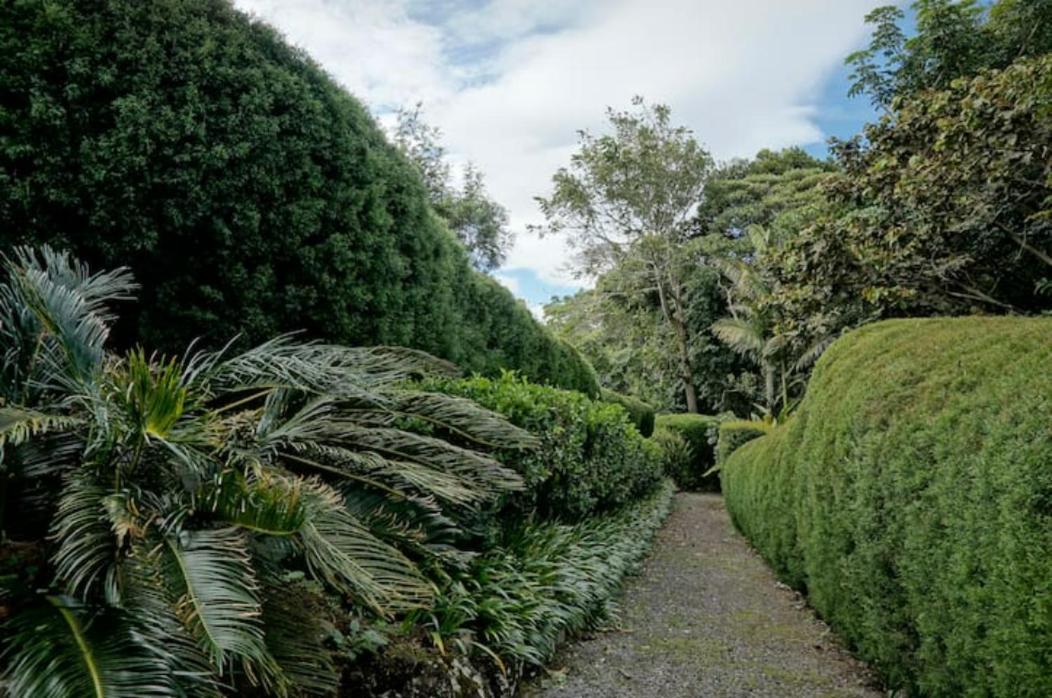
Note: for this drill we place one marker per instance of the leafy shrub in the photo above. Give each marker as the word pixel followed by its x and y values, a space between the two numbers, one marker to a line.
pixel 641 414
pixel 910 496
pixel 548 582
pixel 245 189
pixel 697 431
pixel 180 500
pixel 677 456
pixel 590 458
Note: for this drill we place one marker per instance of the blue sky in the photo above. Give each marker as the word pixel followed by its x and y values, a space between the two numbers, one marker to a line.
pixel 509 82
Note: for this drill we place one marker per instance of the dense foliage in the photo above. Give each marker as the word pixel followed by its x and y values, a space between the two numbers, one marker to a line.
pixel 245 189
pixel 590 459
pixel 698 432
pixel 175 501
pixel 909 495
pixel 952 39
pixel 945 210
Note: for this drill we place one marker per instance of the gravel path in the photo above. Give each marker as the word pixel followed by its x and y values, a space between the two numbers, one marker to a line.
pixel 706 618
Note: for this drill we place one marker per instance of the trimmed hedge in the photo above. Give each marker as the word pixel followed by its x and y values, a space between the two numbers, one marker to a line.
pixel 641 414
pixel 591 458
pixel 246 190
pixel 737 432
pixel 696 430
pixel 911 496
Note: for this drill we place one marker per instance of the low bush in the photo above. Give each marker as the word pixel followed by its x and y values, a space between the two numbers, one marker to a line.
pixel 911 496
pixel 641 414
pixel 698 431
pixel 590 459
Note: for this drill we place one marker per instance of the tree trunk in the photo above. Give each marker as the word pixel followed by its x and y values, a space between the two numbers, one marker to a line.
pixel 674 318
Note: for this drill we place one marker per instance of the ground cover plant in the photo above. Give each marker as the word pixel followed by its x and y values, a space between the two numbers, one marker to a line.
pixel 909 495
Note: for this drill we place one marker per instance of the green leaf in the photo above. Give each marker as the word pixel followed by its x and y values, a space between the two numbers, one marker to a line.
pixel 58 649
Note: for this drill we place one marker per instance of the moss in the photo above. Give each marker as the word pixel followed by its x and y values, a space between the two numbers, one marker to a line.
pixel 911 496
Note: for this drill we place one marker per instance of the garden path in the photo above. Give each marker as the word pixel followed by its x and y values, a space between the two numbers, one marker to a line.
pixel 706 618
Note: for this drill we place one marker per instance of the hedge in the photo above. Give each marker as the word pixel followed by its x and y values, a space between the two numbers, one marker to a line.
pixel 911 496
pixel 641 414
pixel 246 190
pixel 591 458
pixel 736 432
pixel 697 431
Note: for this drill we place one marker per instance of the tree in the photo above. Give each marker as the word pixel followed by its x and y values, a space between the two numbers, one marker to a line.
pixel 179 499
pixel 479 222
pixel 626 202
pixel 946 209
pixel 954 39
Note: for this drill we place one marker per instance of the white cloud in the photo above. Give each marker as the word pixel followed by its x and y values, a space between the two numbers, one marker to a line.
pixel 509 282
pixel 744 75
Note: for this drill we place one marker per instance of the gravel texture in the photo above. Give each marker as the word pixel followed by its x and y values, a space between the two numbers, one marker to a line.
pixel 706 618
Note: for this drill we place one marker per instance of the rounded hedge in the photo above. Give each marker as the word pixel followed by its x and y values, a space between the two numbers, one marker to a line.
pixel 697 431
pixel 641 414
pixel 911 496
pixel 246 190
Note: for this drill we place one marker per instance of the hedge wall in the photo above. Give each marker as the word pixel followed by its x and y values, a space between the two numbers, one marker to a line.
pixel 641 414
pixel 591 458
pixel 911 496
pixel 246 190
pixel 696 430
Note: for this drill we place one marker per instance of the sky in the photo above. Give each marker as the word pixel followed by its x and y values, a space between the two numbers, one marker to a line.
pixel 510 82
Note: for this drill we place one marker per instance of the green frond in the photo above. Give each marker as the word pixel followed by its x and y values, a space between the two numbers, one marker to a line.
pixel 86 550
pixel 18 424
pixel 296 631
pixel 210 573
pixel 739 335
pixel 58 649
pixel 342 552
pixel 457 415
pixel 269 504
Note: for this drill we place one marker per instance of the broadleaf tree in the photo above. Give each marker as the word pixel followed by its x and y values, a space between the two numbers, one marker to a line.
pixel 627 201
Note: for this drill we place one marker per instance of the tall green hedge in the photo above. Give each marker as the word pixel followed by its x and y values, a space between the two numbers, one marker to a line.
pixel 591 458
pixel 911 496
pixel 246 190
pixel 641 414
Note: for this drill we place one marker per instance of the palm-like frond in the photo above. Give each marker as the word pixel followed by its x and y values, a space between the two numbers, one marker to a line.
pixel 86 553
pixel 340 550
pixel 211 575
pixel 740 335
pixel 18 424
pixel 295 638
pixel 61 650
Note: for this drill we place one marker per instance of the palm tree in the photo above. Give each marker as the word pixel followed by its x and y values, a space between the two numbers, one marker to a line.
pixel 749 330
pixel 182 497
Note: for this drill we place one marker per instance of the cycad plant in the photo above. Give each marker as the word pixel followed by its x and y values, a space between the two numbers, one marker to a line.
pixel 174 502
